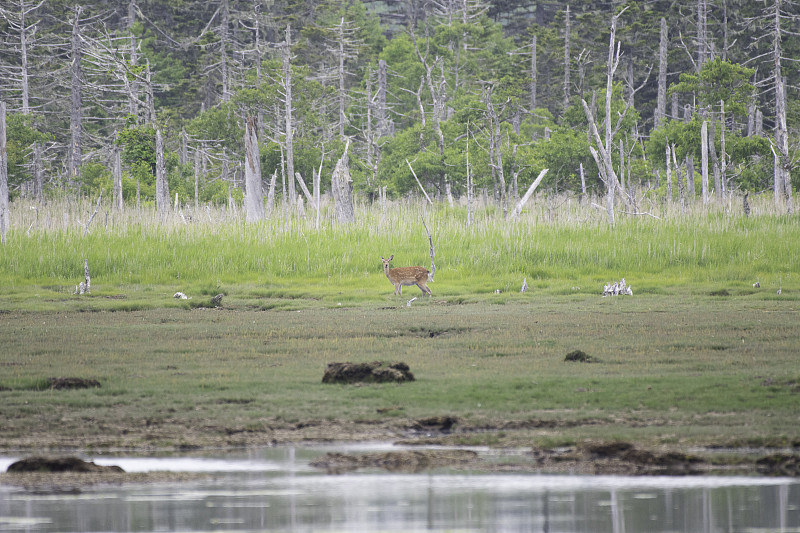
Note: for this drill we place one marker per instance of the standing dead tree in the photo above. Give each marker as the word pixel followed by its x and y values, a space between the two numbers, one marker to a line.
pixel 342 189
pixel 5 218
pixel 602 155
pixel 254 196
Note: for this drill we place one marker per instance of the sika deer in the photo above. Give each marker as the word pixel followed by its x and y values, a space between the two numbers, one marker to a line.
pixel 406 276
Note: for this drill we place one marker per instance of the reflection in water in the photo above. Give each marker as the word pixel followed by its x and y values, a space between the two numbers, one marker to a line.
pixel 276 490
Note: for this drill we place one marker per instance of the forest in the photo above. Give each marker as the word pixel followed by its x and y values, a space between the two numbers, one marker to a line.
pixel 194 103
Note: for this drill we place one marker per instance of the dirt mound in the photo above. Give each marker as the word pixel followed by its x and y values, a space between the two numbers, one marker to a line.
pixel 72 383
pixel 579 356
pixel 59 464
pixel 401 461
pixel 375 372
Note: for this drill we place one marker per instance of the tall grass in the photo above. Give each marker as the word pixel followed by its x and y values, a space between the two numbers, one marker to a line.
pixel 556 244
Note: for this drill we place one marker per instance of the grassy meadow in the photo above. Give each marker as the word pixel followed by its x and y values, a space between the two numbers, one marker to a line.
pixel 697 356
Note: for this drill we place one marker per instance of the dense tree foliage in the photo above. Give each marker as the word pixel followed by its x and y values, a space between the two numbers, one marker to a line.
pixel 421 83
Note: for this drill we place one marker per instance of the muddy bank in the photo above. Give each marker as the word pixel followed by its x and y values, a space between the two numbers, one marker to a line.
pixel 450 432
pixel 74 482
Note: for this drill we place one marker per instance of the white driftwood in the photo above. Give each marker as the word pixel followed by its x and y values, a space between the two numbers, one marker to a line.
pixel 524 285
pixel 617 288
pixel 84 286
pixel 517 210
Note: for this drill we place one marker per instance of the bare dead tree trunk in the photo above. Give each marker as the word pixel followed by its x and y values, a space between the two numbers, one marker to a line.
pixel 783 180
pixel 340 72
pixel 342 189
pixel 289 134
pixel 254 196
pixel 271 193
pixel 470 192
pixel 38 173
pixel 723 164
pixel 669 174
pixel 702 33
pixel 679 179
pixel 162 188
pixel 661 103
pixel 704 160
pixel 116 199
pixel 602 155
pixel 224 38
pixel 533 74
pixel 380 108
pixel 566 57
pixel 76 127
pixel 583 183
pixel 5 216
pixel 23 41
pixel 133 85
pixel 197 178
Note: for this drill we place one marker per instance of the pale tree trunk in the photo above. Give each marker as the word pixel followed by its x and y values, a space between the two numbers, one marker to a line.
pixel 133 86
pixel 583 184
pixel 702 35
pixel 162 188
pixel 38 173
pixel 75 124
pixel 289 134
pixel 116 199
pixel 566 57
pixel 661 103
pixel 712 152
pixel 470 192
pixel 533 74
pixel 5 216
pixel 723 164
pixel 384 125
pixel 184 147
pixel 224 30
pixel 704 160
pixel 254 196
pixel 783 180
pixel 679 179
pixel 23 41
pixel 342 189
pixel 341 74
pixel 690 177
pixel 197 179
pixel 669 174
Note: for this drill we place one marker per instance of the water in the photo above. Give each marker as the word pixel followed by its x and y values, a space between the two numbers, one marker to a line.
pixel 275 489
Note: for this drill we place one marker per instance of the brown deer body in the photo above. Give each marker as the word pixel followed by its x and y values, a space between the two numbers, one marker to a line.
pixel 406 276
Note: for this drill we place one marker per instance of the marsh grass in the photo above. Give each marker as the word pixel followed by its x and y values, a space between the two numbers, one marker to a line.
pixel 134 254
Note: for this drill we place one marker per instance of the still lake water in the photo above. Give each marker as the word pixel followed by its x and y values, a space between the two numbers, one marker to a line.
pixel 275 489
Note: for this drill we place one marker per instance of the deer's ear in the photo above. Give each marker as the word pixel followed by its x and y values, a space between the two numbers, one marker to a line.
pixel 382 259
pixel 391 257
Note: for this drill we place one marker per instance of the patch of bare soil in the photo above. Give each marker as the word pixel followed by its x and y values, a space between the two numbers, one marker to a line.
pixel 72 383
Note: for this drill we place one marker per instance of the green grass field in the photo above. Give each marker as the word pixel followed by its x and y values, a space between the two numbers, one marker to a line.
pixel 697 356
